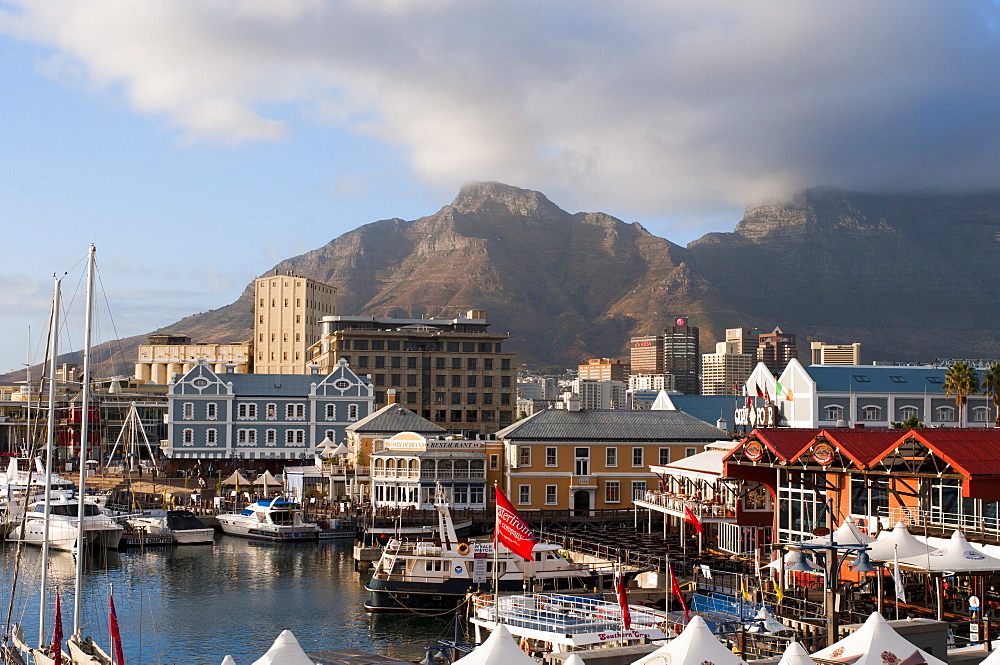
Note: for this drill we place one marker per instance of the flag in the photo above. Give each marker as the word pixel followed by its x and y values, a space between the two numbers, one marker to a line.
pixel 623 600
pixel 788 394
pixel 677 592
pixel 897 577
pixel 782 391
pixel 693 520
pixel 743 589
pixel 779 592
pixel 116 636
pixel 760 393
pixel 512 530
pixel 57 636
pixel 749 399
pixel 767 396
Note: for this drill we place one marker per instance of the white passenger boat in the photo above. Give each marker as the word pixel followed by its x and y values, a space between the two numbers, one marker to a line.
pixel 566 621
pixel 274 519
pixel 20 485
pixel 99 530
pixel 438 574
pixel 182 526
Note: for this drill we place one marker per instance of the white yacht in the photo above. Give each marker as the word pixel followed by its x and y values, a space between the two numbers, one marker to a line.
pixel 21 486
pixel 182 526
pixel 100 531
pixel 269 519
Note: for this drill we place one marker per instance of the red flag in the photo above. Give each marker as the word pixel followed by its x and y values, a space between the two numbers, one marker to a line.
pixel 677 592
pixel 767 396
pixel 749 401
pixel 693 520
pixel 116 636
pixel 623 600
pixel 512 530
pixel 57 636
pixel 760 393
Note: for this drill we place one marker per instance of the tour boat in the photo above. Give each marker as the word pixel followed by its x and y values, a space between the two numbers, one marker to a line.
pixel 182 526
pixel 20 487
pixel 269 519
pixel 439 574
pixel 99 530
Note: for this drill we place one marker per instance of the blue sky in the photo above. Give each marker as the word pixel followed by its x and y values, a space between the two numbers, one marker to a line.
pixel 199 142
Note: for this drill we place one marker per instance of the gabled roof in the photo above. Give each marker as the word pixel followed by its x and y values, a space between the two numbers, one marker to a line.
pixel 707 407
pixel 877 379
pixel 864 446
pixel 973 451
pixel 393 419
pixel 785 442
pixel 612 425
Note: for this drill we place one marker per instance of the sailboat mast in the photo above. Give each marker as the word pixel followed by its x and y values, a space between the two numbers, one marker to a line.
pixel 49 454
pixel 27 381
pixel 84 423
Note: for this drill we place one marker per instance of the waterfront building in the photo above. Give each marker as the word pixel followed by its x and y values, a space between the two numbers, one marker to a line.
pixel 603 369
pixel 408 468
pixel 165 356
pixel 584 459
pixel 835 354
pixel 682 356
pixel 775 349
pixel 261 416
pixel 287 313
pixel 725 371
pixel 452 372
pixel 862 395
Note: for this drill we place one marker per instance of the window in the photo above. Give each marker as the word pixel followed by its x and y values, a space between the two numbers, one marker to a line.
pixel 861 378
pixel 524 456
pixel 488 364
pixel 472 381
pixel 411 380
pixel 487 398
pixel 550 456
pixel 504 364
pixel 688 452
pixel 897 379
pixel 187 437
pixel 211 437
pixel 980 414
pixel 664 456
pixel 246 411
pixel 330 434
pixel 352 411
pixel 945 414
pixel 411 362
pixel 211 411
pixel 456 364
pixel 637 457
pixel 908 411
pixel 456 398
pixel 524 494
pixel 934 379
pixel 494 462
pixel 379 362
pixel 439 380
pixel 638 490
pixel 295 437
pixel 439 363
pixel 361 345
pixel 834 412
pixel 271 437
pixel 471 398
pixel 396 380
pixel 271 412
pixel 363 362
pixel 187 411
pixel 611 456
pixel 331 411
pixel 551 495
pixel 759 498
pixel 505 381
pixel 295 411
pixel 395 362
pixel 246 437
pixel 472 364
pixel 871 412
pixel 456 381
pixel 612 491
pixel 487 382
pixel 378 345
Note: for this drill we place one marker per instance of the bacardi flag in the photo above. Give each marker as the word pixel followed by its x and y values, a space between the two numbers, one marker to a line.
pixel 623 600
pixel 512 530
pixel 57 636
pixel 116 636
pixel 676 590
pixel 693 520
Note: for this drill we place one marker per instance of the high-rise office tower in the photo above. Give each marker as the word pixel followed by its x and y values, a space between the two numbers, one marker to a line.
pixel 646 354
pixel 836 354
pixel 775 349
pixel 725 371
pixel 746 340
pixel 681 356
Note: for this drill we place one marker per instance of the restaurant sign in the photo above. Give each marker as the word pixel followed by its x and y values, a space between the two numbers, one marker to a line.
pixel 756 416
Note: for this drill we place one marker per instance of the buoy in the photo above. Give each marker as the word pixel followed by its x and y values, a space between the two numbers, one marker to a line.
pixel 463 548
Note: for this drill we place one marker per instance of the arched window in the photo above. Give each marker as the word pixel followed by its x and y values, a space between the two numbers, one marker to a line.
pixel 834 412
pixel 871 412
pixel 444 468
pixel 908 411
pixel 980 414
pixel 187 438
pixel 945 414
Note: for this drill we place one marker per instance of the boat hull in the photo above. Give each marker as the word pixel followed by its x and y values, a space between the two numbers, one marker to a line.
pixel 258 531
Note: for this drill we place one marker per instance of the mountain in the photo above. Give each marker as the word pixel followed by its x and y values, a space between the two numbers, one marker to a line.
pixel 910 276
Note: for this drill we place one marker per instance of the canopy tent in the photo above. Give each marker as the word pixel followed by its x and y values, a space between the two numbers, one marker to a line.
pixel 796 654
pixel 339 451
pixel 847 533
pixel 992 659
pixel 285 651
pixel 791 558
pixel 267 479
pixel 764 622
pixel 236 478
pixel 897 542
pixel 875 643
pixel 228 660
pixel 694 646
pixel 500 648
pixel 957 556
pixel 576 660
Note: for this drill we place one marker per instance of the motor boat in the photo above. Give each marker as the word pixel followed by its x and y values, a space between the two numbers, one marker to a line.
pixel 182 526
pixel 22 486
pixel 99 529
pixel 269 519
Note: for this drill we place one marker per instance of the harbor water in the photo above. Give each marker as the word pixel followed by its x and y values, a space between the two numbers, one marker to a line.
pixel 196 604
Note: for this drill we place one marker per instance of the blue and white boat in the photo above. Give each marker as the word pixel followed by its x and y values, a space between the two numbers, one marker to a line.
pixel 270 519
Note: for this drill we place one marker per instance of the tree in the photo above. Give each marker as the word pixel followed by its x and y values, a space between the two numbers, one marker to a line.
pixel 913 422
pixel 961 381
pixel 991 388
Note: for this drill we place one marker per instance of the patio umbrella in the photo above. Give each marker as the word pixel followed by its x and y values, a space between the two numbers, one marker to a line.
pixel 900 541
pixel 236 478
pixel 765 622
pixel 228 660
pixel 956 556
pixel 847 533
pixel 796 654
pixel 694 646
pixel 326 447
pixel 793 556
pixel 265 479
pixel 498 649
pixel 875 643
pixel 284 651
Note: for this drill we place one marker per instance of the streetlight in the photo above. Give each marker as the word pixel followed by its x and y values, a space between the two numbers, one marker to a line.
pixel 861 564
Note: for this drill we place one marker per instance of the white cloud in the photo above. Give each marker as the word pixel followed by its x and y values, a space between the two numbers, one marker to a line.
pixel 639 108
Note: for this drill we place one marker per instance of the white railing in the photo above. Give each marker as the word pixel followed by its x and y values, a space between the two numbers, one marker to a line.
pixel 938 519
pixel 583 481
pixel 701 508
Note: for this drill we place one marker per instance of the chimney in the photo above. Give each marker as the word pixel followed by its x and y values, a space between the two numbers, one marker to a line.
pixel 313 368
pixel 230 368
pixel 390 396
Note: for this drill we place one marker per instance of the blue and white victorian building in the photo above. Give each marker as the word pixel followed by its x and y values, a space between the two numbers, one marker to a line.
pixel 261 416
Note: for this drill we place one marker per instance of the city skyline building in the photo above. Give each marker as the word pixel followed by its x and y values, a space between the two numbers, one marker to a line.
pixel 775 349
pixel 287 313
pixel 725 371
pixel 835 354
pixel 604 369
pixel 682 355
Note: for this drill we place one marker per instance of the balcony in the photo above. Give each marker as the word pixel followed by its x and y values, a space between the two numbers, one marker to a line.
pixel 942 523
pixel 675 504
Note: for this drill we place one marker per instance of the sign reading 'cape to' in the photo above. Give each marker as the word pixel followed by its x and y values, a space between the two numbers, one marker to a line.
pixel 512 530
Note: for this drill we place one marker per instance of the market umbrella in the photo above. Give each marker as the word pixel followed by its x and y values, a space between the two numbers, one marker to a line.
pixel 228 660
pixel 875 643
pixel 694 646
pixel 326 447
pixel 791 558
pixel 265 479
pixel 955 556
pixel 796 654
pixel 765 622
pixel 498 649
pixel 285 651
pixel 847 533
pixel 897 542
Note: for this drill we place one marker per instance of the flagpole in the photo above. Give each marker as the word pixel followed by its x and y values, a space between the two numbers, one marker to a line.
pixel 496 565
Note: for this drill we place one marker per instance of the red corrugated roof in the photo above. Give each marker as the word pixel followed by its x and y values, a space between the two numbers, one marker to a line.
pixel 786 442
pixel 864 446
pixel 974 451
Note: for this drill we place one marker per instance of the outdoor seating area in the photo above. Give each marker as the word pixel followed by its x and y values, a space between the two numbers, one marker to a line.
pixel 703 508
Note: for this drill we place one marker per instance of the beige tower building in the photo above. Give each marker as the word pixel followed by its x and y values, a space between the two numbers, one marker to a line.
pixel 725 371
pixel 287 313
pixel 836 354
pixel 166 355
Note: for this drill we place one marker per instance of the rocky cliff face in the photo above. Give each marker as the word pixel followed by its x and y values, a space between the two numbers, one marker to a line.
pixel 909 276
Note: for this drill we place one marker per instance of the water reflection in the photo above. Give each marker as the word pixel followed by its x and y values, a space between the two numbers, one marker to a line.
pixel 196 604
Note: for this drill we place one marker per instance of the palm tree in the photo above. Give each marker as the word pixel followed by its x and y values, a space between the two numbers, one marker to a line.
pixel 960 381
pixel 991 388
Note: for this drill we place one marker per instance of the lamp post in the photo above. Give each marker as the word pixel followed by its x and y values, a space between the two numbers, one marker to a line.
pixel 861 565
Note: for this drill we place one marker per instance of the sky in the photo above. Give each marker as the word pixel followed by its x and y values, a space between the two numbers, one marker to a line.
pixel 197 143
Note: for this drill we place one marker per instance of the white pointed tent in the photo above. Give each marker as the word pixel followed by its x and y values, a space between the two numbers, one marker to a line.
pixel 847 533
pixel 796 654
pixel 267 480
pixel 875 643
pixel 236 478
pixel 694 646
pixel 326 447
pixel 228 660
pixel 992 659
pixel 956 556
pixel 285 651
pixel 765 622
pixel 897 542
pixel 500 648
pixel 576 660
